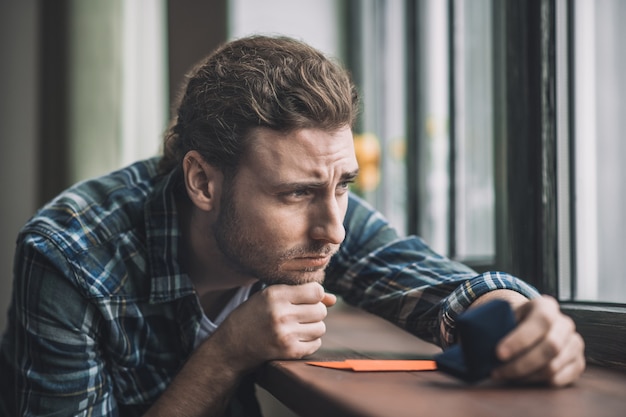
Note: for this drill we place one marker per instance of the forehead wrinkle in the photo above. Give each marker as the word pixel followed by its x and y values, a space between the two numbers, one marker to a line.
pixel 298 157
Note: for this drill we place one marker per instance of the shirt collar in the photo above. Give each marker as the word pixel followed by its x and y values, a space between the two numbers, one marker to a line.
pixel 163 235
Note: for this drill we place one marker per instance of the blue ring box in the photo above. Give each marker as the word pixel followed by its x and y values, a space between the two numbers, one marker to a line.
pixel 479 331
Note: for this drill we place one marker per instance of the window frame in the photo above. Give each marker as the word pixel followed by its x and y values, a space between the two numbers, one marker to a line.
pixel 528 120
pixel 528 239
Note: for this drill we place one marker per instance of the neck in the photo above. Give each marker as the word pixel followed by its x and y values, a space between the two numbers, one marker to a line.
pixel 201 257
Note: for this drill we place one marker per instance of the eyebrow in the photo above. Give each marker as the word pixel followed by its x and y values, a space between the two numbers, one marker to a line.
pixel 350 176
pixel 346 176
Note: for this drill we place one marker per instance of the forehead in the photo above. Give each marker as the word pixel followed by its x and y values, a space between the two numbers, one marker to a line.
pixel 310 153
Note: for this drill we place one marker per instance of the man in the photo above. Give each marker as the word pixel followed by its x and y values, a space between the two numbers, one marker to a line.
pixel 156 290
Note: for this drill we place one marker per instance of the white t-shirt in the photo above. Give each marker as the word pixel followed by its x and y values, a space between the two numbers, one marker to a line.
pixel 207 327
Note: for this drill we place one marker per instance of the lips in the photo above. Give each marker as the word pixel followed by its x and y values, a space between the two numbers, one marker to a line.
pixel 311 261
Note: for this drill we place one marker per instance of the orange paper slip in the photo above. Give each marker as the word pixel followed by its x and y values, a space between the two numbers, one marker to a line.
pixel 369 365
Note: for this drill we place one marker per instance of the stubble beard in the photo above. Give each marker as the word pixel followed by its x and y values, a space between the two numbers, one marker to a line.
pixel 262 258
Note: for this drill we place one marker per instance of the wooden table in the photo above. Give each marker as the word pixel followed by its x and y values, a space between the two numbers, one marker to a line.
pixel 351 333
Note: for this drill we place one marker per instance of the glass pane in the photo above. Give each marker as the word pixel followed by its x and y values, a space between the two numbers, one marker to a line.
pixel 382 87
pixel 433 125
pixel 314 22
pixel 474 202
pixel 474 124
pixel 116 85
pixel 599 125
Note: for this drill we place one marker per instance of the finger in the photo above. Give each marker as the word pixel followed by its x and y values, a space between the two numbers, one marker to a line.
pixel 566 367
pixel 310 313
pixel 563 377
pixel 308 348
pixel 309 293
pixel 298 341
pixel 553 351
pixel 535 320
pixel 309 332
pixel 537 357
pixel 329 299
pixel 569 373
pixel 297 349
pixel 316 312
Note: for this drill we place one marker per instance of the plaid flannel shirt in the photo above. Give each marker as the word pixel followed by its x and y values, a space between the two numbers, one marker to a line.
pixel 102 316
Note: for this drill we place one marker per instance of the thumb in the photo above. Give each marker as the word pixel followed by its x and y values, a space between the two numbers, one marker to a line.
pixel 329 299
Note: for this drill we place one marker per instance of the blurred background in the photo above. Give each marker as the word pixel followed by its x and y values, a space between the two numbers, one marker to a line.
pixel 492 129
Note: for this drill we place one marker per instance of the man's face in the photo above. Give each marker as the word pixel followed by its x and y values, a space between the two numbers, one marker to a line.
pixel 281 217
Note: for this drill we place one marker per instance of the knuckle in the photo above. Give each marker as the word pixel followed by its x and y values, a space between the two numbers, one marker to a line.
pixel 277 319
pixel 548 318
pixel 568 323
pixel 292 352
pixel 321 312
pixel 316 345
pixel 549 302
pixel 319 291
pixel 547 307
pixel 552 369
pixel 552 346
pixel 313 346
pixel 284 341
pixel 319 330
pixel 324 311
pixel 313 290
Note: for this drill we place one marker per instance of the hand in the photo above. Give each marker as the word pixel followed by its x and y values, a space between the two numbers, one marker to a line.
pixel 543 348
pixel 280 322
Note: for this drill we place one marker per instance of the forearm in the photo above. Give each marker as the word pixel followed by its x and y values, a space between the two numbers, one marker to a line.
pixel 280 322
pixel 203 387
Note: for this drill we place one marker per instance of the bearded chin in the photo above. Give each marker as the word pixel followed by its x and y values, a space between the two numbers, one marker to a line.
pixel 260 260
pixel 248 257
pixel 260 256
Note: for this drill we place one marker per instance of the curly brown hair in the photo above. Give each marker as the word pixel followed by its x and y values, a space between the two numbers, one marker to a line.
pixel 259 81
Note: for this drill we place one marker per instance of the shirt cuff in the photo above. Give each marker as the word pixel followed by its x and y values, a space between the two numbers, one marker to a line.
pixel 468 292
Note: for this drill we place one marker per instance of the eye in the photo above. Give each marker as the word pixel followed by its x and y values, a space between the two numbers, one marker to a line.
pixel 295 195
pixel 345 185
pixel 300 192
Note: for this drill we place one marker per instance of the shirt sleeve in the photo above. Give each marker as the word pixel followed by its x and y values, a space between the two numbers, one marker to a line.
pixel 405 281
pixel 50 347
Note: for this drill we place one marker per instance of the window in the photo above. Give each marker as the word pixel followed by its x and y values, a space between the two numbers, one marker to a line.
pixel 103 82
pixel 316 23
pixel 431 143
pixel 425 73
pixel 590 95
pixel 375 53
pixel 116 91
pixel 451 135
pixel 473 133
pixel 514 116
pixel 599 122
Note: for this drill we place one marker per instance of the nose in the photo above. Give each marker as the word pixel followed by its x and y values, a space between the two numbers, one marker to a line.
pixel 327 222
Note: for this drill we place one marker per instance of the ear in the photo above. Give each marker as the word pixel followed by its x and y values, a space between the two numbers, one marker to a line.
pixel 203 181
